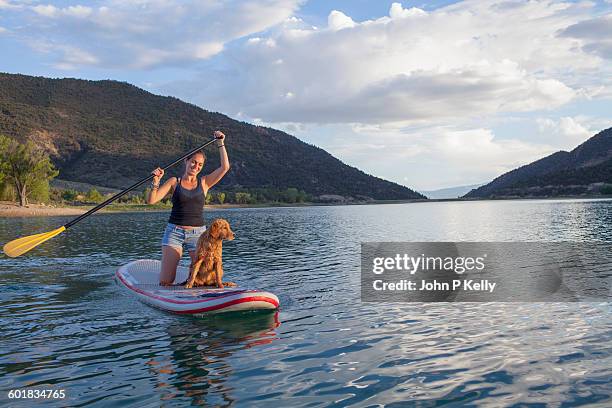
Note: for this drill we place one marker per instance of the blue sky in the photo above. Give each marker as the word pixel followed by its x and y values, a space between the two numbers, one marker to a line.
pixel 427 94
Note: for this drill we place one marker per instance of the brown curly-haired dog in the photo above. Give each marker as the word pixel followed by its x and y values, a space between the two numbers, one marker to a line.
pixel 207 270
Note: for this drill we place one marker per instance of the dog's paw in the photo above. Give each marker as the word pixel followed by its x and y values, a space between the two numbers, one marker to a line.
pixel 189 286
pixel 230 284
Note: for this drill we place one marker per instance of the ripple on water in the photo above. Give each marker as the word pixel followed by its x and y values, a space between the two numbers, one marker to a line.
pixel 65 324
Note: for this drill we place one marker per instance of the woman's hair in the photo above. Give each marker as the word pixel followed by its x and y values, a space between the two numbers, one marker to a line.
pixel 197 152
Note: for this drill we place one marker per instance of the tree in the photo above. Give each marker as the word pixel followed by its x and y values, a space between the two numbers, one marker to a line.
pixel 70 195
pixel 7 192
pixel 291 194
pixel 39 190
pixel 242 197
pixel 94 196
pixel 145 194
pixel 136 199
pixel 209 198
pixel 221 197
pixel 28 168
pixel 4 144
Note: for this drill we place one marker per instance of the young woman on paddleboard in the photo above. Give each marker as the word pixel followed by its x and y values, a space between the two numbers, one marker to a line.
pixel 186 222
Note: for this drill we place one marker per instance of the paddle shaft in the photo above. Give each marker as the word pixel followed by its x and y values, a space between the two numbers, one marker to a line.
pixel 133 186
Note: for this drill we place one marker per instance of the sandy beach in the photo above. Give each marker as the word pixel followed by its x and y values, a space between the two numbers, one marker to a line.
pixel 10 209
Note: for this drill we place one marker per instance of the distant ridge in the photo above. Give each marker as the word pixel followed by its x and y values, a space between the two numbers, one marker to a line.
pixel 449 192
pixel 111 134
pixel 585 170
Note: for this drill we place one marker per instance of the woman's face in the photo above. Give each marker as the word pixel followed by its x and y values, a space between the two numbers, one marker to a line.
pixel 194 164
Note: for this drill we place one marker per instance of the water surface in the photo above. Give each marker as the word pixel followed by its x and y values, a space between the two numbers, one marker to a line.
pixel 66 325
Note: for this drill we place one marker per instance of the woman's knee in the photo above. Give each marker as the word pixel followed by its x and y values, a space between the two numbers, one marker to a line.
pixel 171 252
pixel 170 259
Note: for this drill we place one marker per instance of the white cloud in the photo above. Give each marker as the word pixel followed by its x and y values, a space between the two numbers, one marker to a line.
pixel 470 59
pixel 397 11
pixel 476 153
pixel 7 5
pixel 207 49
pixel 429 157
pixel 338 20
pixel 437 156
pixel 46 10
pixel 147 33
pixel 74 57
pixel 566 132
pixel 78 11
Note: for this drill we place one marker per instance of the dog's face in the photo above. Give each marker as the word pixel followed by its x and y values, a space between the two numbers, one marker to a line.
pixel 220 229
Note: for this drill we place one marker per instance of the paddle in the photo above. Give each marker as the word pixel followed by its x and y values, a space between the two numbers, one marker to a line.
pixel 22 245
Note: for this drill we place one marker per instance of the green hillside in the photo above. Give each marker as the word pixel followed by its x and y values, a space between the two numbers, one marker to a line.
pixel 585 170
pixel 112 134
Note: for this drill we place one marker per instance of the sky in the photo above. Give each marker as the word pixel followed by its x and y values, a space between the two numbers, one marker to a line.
pixel 427 94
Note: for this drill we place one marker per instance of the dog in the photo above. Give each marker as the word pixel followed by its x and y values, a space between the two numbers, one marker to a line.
pixel 207 269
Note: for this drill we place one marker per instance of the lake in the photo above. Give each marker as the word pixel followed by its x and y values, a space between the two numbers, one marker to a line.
pixel 66 325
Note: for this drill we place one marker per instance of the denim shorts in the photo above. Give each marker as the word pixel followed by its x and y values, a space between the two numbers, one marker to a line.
pixel 180 238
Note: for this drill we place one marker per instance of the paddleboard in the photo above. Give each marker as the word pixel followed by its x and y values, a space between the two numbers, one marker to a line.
pixel 141 278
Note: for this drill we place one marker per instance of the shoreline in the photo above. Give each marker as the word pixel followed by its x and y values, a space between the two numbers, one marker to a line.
pixel 13 210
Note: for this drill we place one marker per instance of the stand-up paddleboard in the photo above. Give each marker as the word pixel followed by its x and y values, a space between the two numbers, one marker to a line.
pixel 141 278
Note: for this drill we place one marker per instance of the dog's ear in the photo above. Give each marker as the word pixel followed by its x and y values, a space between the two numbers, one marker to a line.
pixel 215 229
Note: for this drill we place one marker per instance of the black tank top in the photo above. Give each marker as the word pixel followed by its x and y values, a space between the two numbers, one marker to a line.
pixel 187 205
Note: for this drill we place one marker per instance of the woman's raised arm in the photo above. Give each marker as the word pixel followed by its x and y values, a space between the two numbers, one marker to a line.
pixel 214 177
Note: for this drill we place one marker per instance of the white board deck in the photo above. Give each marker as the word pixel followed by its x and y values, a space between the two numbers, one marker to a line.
pixel 141 279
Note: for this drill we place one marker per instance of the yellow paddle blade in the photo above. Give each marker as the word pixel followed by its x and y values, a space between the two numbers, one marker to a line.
pixel 20 246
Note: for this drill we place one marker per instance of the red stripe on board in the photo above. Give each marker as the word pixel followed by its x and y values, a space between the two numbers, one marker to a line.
pixel 182 302
pixel 229 303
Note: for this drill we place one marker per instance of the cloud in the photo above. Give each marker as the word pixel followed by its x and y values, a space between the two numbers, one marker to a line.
pixel 566 132
pixel 469 59
pixel 446 155
pixel 423 95
pixel 397 11
pixel 478 152
pixel 46 10
pixel 338 20
pixel 591 29
pixel 146 33
pixel 595 34
pixel 9 5
pixel 431 157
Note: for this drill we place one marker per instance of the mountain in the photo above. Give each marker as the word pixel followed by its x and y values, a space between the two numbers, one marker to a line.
pixel 585 170
pixel 112 134
pixel 449 192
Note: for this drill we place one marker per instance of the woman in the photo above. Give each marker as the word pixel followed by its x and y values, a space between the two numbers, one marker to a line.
pixel 186 222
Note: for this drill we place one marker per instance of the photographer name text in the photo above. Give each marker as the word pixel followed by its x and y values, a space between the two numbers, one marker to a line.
pixel 472 285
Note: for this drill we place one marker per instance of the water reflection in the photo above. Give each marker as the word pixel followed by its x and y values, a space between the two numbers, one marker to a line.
pixel 200 349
